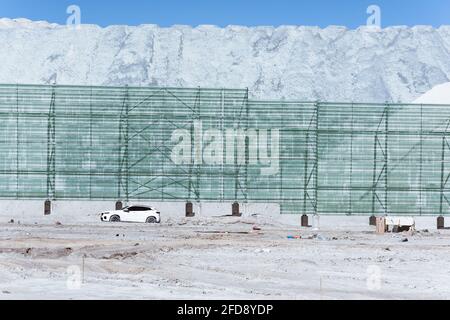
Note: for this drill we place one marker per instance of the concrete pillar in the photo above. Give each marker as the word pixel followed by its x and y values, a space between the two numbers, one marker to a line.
pixel 440 223
pixel 236 212
pixel 190 210
pixel 119 205
pixel 381 225
pixel 47 208
pixel 373 221
pixel 305 222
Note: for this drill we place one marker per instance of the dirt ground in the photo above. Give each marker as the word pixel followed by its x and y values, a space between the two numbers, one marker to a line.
pixel 220 258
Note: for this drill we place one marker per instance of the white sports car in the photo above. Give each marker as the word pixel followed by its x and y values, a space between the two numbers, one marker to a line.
pixel 141 214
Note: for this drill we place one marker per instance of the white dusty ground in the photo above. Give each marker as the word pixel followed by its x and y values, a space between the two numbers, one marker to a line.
pixel 186 259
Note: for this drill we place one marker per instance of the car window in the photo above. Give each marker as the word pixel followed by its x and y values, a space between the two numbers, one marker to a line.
pixel 137 208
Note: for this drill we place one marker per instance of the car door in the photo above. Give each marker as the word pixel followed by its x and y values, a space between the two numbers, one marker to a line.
pixel 137 214
pixel 142 214
pixel 128 214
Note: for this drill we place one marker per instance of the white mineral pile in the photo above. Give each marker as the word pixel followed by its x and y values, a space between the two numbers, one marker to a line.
pixel 288 62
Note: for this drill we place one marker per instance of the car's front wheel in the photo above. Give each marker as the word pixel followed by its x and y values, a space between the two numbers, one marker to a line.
pixel 151 220
pixel 115 218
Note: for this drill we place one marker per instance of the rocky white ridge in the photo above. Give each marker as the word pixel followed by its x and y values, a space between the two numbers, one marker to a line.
pixel 396 64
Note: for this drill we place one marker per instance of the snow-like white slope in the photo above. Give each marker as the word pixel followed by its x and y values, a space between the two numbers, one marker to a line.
pixel 440 94
pixel 293 62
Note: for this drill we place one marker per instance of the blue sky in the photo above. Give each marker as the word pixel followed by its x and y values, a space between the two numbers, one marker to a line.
pixel 351 13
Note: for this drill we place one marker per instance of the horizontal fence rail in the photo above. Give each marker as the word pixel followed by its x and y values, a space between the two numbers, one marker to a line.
pixel 173 144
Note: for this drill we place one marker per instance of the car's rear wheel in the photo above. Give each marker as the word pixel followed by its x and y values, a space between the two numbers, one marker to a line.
pixel 151 220
pixel 114 219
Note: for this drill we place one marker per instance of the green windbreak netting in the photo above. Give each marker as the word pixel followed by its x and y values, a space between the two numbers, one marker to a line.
pixel 62 142
pixel 173 144
pixel 383 159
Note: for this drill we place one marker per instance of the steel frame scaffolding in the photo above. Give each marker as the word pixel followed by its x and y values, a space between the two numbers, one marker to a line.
pixel 117 143
pixel 311 158
pixel 51 151
pixel 381 146
pixel 444 177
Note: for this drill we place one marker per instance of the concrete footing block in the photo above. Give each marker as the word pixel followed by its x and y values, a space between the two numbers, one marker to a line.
pixel 236 212
pixel 305 221
pixel 47 208
pixel 190 210
pixel 440 223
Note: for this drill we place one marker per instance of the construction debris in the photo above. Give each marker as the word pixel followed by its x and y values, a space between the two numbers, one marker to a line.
pixel 400 224
pixel 121 255
pixel 322 238
pixel 311 237
pixel 223 232
pixel 262 251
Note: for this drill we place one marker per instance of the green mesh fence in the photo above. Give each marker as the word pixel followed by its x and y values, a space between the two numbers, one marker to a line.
pixel 172 144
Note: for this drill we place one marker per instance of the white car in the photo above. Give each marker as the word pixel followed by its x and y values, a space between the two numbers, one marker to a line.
pixel 141 214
